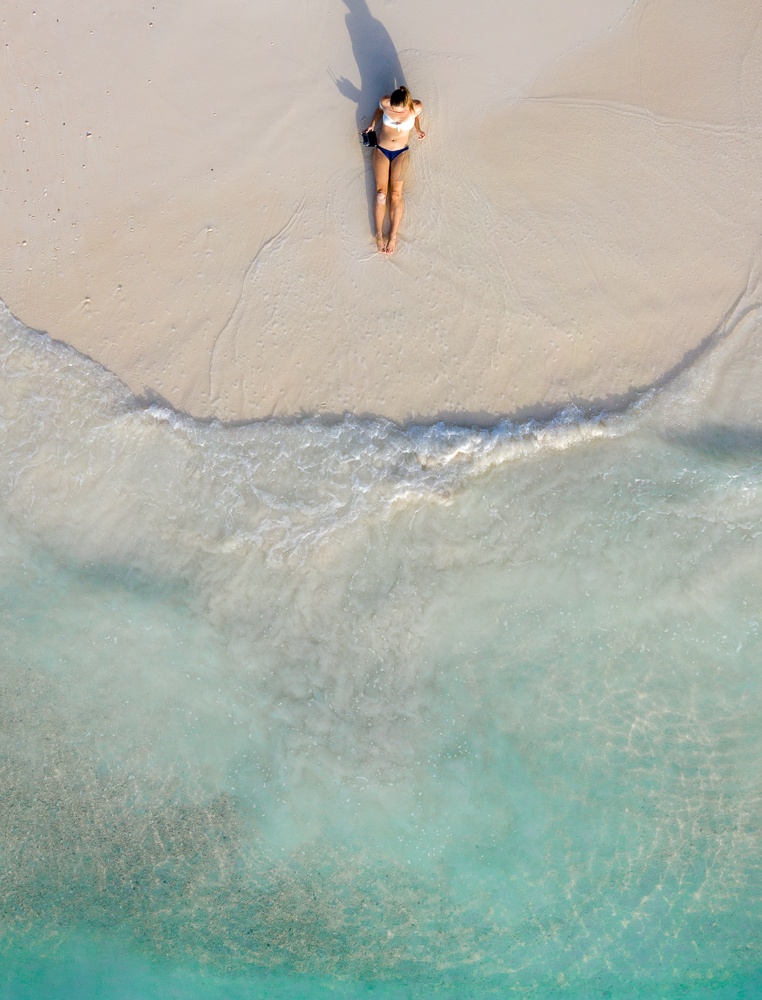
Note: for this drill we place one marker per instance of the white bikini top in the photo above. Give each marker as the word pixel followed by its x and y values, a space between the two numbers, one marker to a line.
pixel 403 126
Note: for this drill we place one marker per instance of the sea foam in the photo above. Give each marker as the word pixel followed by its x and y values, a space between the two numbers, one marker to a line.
pixel 434 708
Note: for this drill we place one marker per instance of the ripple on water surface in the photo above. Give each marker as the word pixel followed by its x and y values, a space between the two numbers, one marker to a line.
pixel 319 710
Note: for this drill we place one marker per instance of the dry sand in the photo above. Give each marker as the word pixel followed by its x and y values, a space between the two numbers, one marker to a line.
pixel 185 199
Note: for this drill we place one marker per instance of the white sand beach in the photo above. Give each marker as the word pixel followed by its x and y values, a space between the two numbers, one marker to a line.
pixel 185 199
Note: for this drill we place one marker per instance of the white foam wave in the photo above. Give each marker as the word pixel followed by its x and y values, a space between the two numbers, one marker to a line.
pixel 72 432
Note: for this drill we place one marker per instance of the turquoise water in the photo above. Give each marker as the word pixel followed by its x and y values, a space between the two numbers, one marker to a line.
pixel 321 710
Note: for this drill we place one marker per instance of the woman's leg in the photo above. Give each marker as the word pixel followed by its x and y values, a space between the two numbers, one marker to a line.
pixel 381 174
pixel 396 208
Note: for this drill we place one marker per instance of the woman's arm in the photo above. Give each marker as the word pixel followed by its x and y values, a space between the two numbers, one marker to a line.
pixel 375 119
pixel 417 126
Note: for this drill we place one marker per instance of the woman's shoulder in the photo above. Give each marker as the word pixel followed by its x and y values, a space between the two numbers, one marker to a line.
pixel 385 101
pixel 418 105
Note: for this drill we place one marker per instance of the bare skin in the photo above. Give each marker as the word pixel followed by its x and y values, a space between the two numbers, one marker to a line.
pixel 390 174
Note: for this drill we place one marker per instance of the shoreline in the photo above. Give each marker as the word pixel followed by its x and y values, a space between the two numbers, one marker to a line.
pixel 572 242
pixel 585 410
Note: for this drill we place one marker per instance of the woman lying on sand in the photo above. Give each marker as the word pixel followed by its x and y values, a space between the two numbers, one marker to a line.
pixel 399 114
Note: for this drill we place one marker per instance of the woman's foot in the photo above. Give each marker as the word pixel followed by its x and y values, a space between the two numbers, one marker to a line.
pixel 391 245
pixel 381 243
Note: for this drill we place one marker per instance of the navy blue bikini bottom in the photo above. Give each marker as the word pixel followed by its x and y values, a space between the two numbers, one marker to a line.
pixel 391 153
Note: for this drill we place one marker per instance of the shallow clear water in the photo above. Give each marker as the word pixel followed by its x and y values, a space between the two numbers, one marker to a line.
pixel 330 710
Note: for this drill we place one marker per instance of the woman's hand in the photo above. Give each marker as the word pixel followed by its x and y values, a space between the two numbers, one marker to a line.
pixel 420 134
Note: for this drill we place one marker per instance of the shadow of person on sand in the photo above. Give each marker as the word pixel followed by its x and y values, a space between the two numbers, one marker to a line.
pixel 376 58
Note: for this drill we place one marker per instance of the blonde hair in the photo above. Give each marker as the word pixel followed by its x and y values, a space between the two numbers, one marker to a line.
pixel 402 96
